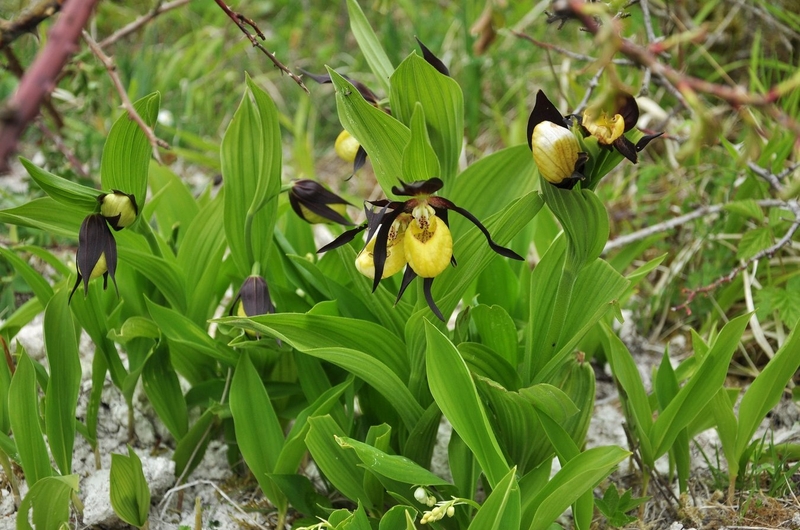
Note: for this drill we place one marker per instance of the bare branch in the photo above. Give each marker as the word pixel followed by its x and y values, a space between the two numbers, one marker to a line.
pixel 565 52
pixel 40 79
pixel 767 175
pixel 155 142
pixel 141 21
pixel 27 20
pixel 242 22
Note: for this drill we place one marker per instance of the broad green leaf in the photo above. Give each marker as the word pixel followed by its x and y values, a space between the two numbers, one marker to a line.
pixel 369 44
pixel 49 499
pixel 584 220
pixel 702 386
pixel 577 476
pixel 174 206
pixel 127 153
pixel 501 510
pixel 160 383
pixel 41 289
pixel 250 155
pixel 550 400
pixel 164 274
pixel 342 467
pixel 488 363
pixel 398 517
pixel 419 159
pixel 453 389
pixel 766 390
pixel 497 330
pixel 61 395
pixel 21 317
pixel 258 431
pixel 305 332
pixel 130 495
pixel 190 449
pixel 395 467
pixel 23 411
pixel 666 388
pixel 474 254
pixel 46 214
pixel 63 190
pixel 415 80
pixel 302 494
pixel 381 136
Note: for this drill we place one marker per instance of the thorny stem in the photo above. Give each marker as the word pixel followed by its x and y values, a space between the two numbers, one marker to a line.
pixel 27 20
pixel 111 68
pixel 768 252
pixel 242 22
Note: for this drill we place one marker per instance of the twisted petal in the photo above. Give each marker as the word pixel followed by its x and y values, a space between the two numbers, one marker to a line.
pixel 432 59
pixel 315 204
pixel 543 111
pixel 97 253
pixel 426 288
pixel 503 251
pixel 408 277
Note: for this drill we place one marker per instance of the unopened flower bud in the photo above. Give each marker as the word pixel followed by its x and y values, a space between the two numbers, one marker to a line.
pixel 346 146
pixel 119 209
pixel 555 151
pixel 420 495
pixel 315 204
pixel 97 253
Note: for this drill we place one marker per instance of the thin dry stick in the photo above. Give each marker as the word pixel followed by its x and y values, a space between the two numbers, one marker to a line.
pixel 40 78
pixel 565 52
pixel 155 142
pixel 767 175
pixel 242 22
pixel 76 164
pixel 27 20
pixel 593 82
pixel 141 21
pixel 218 490
pixel 768 252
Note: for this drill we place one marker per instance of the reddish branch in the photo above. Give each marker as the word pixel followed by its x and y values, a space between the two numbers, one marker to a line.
pixel 39 81
pixel 242 22
pixel 27 20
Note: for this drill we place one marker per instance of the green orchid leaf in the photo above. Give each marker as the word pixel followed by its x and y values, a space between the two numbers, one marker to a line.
pixel 161 384
pixel 551 401
pixel 41 289
pixel 416 81
pixel 63 190
pixel 381 136
pixel 496 330
pixel 399 517
pixel 584 220
pixel 578 475
pixel 369 44
pixel 699 390
pixel 487 363
pixel 23 412
pixel 342 467
pixel 61 395
pixel 419 159
pixel 127 153
pixel 172 202
pixel 453 389
pixel 49 499
pixel 395 467
pixel 190 449
pixel 666 388
pixel 259 441
pixel 165 274
pixel 502 509
pixel 130 494
pixel 47 215
pixel 302 494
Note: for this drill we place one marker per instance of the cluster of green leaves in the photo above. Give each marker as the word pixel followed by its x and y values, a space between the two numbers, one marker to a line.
pixel 349 376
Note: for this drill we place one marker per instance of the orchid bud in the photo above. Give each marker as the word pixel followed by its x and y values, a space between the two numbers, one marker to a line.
pixel 119 209
pixel 97 253
pixel 346 146
pixel 555 150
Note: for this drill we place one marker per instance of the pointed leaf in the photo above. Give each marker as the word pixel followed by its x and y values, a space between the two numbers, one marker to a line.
pixel 23 412
pixel 419 159
pixel 49 499
pixel 501 510
pixel 130 495
pixel 395 467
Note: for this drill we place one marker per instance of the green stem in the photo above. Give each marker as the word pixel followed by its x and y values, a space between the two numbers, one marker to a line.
pixel 12 479
pixel 557 319
pixel 146 230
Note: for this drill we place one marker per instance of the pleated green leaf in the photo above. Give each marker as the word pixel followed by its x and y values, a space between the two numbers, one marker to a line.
pixel 61 395
pixel 258 431
pixel 502 509
pixel 190 449
pixel 160 383
pixel 127 153
pixel 395 467
pixel 165 274
pixel 41 289
pixel 577 476
pixel 453 389
pixel 398 517
pixel 419 159
pixel 46 214
pixel 703 385
pixel 415 80
pixel 381 136
pixel 130 494
pixel 49 499
pixel 342 467
pixel 485 362
pixel 584 220
pixel 369 44
pixel 23 412
pixel 497 330
pixel 63 190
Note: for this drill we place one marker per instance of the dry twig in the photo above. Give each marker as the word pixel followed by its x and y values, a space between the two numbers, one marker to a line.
pixel 27 20
pixel 141 21
pixel 40 79
pixel 155 142
pixel 242 22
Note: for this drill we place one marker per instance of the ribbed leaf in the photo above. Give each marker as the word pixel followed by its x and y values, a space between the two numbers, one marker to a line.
pixel 41 289
pixel 258 431
pixel 395 467
pixel 419 159
pixel 502 509
pixel 190 450
pixel 127 153
pixel 130 495
pixel 46 214
pixel 165 275
pixel 50 501
pixel 584 220
pixel 63 190
pixel 382 136
pixel 454 391
pixel 497 330
pixel 369 44
pixel 23 411
pixel 61 396
pixel 160 383
pixel 415 80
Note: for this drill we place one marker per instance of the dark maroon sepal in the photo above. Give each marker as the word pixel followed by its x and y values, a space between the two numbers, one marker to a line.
pixel 426 288
pixel 626 148
pixel 503 251
pixel 419 187
pixel 432 59
pixel 408 277
pixel 628 109
pixel 644 140
pixel 543 111
pixel 254 294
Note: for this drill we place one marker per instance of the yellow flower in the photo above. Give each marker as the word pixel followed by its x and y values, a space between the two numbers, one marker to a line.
pixel 395 254
pixel 606 129
pixel 346 146
pixel 119 209
pixel 428 243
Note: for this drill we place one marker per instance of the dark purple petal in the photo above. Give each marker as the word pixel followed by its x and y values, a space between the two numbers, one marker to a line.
pixel 255 297
pixel 381 242
pixel 343 239
pixel 408 277
pixel 626 148
pixel 642 143
pixel 316 198
pixel 360 159
pixel 628 109
pixel 542 111
pixel 426 288
pixel 419 187
pixel 432 59
pixel 365 92
pixel 503 251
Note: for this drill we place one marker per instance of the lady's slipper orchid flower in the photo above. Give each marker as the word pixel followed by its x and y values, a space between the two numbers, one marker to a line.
pixel 609 130
pixel 555 148
pixel 315 204
pixel 417 230
pixel 118 208
pixel 97 253
pixel 254 297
